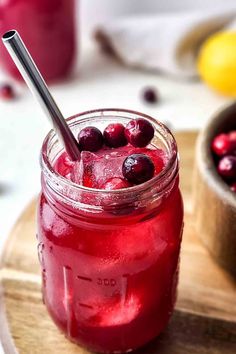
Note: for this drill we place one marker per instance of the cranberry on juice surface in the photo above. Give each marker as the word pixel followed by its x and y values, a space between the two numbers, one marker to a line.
pixel 109 246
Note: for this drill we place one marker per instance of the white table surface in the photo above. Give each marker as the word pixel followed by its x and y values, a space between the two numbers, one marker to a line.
pixel 101 82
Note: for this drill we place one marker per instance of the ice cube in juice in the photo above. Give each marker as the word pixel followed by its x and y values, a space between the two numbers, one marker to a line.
pixel 94 169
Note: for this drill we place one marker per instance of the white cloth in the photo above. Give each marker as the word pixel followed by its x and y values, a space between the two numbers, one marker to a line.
pixel 167 43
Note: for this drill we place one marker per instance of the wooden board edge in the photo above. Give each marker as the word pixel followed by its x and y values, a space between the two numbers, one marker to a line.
pixel 6 338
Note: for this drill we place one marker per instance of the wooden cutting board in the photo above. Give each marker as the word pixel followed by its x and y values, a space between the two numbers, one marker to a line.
pixel 204 321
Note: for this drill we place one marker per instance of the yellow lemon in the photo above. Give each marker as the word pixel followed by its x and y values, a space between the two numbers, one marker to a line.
pixel 217 62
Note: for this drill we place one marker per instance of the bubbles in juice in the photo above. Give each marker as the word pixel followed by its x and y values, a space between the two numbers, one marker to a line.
pixel 94 169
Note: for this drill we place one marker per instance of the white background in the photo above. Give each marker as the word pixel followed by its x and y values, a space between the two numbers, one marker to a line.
pixel 99 82
pixel 96 11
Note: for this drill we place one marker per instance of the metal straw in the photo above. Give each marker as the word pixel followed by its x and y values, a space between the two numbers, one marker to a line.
pixel 37 85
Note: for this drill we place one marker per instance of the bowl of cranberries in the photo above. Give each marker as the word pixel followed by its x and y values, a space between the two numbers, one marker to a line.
pixel 215 187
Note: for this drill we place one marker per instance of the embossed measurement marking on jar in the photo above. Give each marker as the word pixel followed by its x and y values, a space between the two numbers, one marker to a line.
pixel 84 278
pixel 107 283
pixel 99 281
pixel 86 306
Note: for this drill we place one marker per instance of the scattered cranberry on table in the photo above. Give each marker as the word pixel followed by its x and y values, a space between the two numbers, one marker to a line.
pixel 7 92
pixel 224 149
pixel 150 95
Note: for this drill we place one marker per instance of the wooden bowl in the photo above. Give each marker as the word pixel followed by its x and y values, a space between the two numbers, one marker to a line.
pixel 214 202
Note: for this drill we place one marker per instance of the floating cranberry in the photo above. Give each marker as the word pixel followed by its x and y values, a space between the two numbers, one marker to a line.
pixel 90 139
pixel 116 183
pixel 139 132
pixel 227 167
pixel 233 187
pixel 114 135
pixel 222 145
pixel 7 92
pixel 150 95
pixel 138 168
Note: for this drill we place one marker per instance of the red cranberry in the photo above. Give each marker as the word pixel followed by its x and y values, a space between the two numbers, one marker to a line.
pixel 90 139
pixel 108 201
pixel 116 183
pixel 232 135
pixel 7 92
pixel 139 132
pixel 114 135
pixel 232 138
pixel 222 145
pixel 227 167
pixel 150 95
pixel 138 168
pixel 233 187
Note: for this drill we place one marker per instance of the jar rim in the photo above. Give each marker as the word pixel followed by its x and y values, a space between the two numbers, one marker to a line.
pixel 47 167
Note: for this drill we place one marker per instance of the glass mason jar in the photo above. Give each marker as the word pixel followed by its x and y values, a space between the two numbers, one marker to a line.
pixel 109 259
pixel 48 29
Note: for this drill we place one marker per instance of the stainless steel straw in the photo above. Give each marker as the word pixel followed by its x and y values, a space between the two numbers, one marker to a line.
pixel 37 85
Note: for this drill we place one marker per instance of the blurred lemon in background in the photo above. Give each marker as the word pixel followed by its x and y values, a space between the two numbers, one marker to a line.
pixel 217 62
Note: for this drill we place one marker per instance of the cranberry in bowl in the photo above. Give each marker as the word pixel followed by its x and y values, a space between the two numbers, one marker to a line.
pixel 109 245
pixel 214 187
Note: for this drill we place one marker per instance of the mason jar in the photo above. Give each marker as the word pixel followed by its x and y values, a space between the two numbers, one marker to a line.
pixel 109 259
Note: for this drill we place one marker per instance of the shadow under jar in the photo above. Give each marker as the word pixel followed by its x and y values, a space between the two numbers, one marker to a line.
pixel 110 259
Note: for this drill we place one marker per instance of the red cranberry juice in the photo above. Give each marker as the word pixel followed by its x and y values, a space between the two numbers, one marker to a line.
pixel 110 283
pixel 48 29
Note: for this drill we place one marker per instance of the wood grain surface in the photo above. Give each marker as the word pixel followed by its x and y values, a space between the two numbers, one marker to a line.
pixel 204 321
